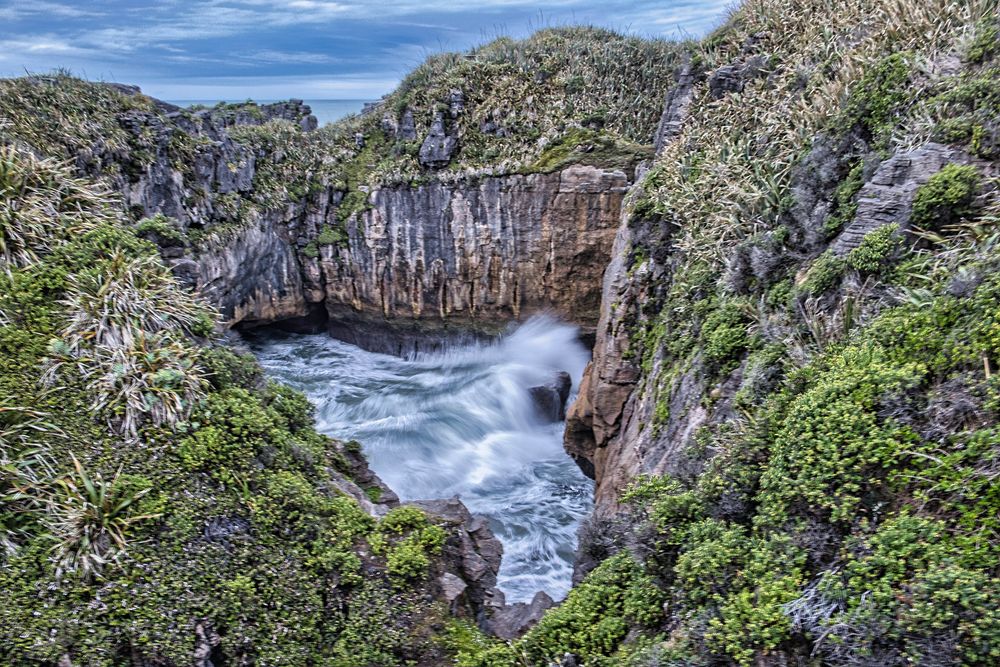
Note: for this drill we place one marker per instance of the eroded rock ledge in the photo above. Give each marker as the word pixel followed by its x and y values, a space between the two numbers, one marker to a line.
pixel 415 261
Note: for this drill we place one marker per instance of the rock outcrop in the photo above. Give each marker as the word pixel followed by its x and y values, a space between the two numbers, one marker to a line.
pixel 473 555
pixel 477 253
pixel 413 262
pixel 550 398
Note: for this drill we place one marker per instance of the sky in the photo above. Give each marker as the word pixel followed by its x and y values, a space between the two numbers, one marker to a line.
pixel 310 49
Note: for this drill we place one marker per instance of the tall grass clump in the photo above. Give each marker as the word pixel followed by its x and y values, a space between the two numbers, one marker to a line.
pixel 89 518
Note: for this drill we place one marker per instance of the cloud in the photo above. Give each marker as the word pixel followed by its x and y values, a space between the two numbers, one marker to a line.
pixel 365 85
pixel 20 10
pixel 41 45
pixel 289 57
pixel 150 41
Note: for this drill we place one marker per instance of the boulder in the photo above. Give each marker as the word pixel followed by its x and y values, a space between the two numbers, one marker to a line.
pixel 550 398
pixel 516 619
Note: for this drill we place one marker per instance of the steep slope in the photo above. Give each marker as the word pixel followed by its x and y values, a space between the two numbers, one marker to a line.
pixel 792 409
pixel 160 502
pixel 441 207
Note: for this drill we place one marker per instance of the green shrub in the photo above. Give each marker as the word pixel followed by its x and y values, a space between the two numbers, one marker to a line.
pixel 946 198
pixel 592 622
pixel 407 560
pixel 724 333
pixel 986 43
pixel 832 448
pixel 845 204
pixel 161 230
pixel 825 272
pixel 329 235
pixel 875 250
pixel 877 98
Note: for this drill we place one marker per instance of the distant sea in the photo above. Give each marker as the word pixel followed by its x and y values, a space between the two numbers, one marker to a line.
pixel 326 111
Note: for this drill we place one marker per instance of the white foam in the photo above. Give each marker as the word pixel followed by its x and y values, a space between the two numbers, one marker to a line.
pixel 459 421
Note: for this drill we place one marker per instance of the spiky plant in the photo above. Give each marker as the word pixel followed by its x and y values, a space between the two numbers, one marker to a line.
pixel 25 467
pixel 89 517
pixel 127 297
pixel 41 203
pixel 156 379
pixel 127 336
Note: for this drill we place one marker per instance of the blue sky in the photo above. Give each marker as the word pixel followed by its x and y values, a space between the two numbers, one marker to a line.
pixel 313 49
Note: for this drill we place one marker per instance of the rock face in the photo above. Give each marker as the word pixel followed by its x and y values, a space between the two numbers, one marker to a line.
pixel 439 146
pixel 607 430
pixel 474 253
pixel 252 277
pixel 887 198
pixel 514 620
pixel 473 554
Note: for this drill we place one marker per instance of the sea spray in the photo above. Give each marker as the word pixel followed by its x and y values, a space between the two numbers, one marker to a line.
pixel 459 422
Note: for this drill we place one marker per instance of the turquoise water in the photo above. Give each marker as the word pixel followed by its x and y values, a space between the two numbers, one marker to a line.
pixel 326 111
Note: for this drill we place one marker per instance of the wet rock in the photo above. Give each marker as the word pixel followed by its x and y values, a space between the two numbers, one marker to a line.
pixel 516 619
pixel 550 398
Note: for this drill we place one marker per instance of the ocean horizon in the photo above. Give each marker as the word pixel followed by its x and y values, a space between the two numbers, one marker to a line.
pixel 326 111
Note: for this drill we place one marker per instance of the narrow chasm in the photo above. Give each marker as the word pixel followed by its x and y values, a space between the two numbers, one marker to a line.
pixel 483 421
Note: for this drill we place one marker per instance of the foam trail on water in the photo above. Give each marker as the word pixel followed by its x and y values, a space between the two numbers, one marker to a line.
pixel 459 421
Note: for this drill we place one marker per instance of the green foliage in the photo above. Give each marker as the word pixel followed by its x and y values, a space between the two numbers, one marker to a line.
pixel 43 205
pixel 724 333
pixel 946 198
pixel 845 204
pixel 753 621
pixel 161 230
pixel 986 43
pixel 330 235
pixel 966 107
pixel 878 97
pixel 876 248
pixel 825 272
pixel 597 614
pixel 89 518
pixel 832 449
pixel 311 250
pixel 408 539
pixel 583 146
pixel 225 368
pixel 63 116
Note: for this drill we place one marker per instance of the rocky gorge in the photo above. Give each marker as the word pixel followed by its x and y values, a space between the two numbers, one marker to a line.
pixel 784 254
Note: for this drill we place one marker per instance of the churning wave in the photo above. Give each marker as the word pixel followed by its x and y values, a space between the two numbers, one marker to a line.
pixel 459 422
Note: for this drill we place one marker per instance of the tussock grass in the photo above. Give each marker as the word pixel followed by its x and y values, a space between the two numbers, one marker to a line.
pixel 88 517
pixel 41 204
